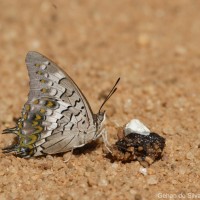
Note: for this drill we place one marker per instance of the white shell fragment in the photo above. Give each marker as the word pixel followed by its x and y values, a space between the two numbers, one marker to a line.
pixel 136 126
pixel 143 171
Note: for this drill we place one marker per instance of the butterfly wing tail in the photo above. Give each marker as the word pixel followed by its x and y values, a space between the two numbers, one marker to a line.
pixel 10 149
pixel 10 131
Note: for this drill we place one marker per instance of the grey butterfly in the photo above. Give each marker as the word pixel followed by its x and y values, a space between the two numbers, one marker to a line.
pixel 57 117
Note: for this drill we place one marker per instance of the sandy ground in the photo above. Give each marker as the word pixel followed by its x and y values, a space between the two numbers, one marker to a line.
pixel 154 47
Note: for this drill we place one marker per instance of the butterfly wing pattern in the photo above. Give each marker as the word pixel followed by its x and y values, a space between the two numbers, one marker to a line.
pixel 57 117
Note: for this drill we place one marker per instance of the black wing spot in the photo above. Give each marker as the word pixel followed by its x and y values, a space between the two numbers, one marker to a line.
pixel 71 94
pixel 77 101
pixel 70 118
pixel 63 93
pixel 77 114
pixel 61 80
pixel 66 109
pixel 61 117
pixel 72 127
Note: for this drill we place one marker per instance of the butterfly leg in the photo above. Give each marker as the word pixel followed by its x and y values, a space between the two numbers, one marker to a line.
pixel 105 140
pixel 69 156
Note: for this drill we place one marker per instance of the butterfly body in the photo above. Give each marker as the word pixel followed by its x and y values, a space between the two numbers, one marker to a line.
pixel 57 117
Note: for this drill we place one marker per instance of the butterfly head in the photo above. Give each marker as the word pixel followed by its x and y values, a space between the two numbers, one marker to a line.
pixel 101 115
pixel 100 120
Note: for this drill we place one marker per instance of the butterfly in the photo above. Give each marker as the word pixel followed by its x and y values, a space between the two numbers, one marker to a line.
pixel 57 116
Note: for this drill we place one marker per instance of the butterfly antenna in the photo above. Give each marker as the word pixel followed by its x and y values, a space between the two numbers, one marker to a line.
pixel 112 91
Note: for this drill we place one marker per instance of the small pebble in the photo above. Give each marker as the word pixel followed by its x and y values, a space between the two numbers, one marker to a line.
pixel 89 169
pixel 35 44
pixel 49 157
pixel 70 165
pixel 127 105
pixel 115 165
pixel 138 197
pixel 143 171
pixel 180 51
pixel 174 182
pixel 167 130
pixel 149 105
pixel 2 173
pixel 102 182
pixel 143 40
pixel 152 180
pixel 182 170
pixel 35 177
pixel 190 156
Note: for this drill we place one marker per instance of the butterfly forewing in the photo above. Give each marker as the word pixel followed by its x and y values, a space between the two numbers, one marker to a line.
pixel 47 79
